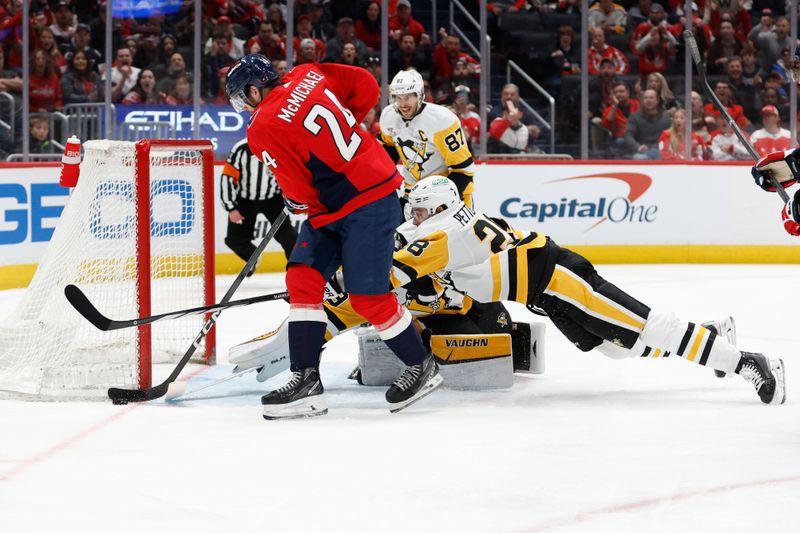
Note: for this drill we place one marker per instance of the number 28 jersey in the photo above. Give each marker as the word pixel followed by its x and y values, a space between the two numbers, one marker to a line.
pixel 308 132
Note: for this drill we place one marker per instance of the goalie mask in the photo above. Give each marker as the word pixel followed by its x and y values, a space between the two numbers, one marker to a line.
pixel 432 193
pixel 407 82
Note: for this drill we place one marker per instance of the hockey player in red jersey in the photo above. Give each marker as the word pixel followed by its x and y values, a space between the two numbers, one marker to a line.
pixel 784 167
pixel 306 128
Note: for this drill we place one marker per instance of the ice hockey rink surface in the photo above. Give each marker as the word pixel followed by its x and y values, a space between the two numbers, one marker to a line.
pixel 592 445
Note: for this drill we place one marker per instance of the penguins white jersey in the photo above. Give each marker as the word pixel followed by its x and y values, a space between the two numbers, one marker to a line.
pixel 431 143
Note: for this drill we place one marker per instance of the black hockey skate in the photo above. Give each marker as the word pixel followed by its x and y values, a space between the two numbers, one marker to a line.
pixel 300 398
pixel 724 328
pixel 766 375
pixel 414 383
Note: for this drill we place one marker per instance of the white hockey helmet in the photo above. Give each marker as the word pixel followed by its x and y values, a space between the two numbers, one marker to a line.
pixel 432 193
pixel 406 82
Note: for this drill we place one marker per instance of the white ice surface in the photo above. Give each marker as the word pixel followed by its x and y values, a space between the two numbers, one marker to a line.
pixel 593 445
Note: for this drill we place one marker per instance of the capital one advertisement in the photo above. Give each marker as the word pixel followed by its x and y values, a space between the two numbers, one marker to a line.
pixel 657 204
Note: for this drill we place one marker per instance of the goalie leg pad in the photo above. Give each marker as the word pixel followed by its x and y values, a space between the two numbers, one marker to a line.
pixel 269 351
pixel 471 362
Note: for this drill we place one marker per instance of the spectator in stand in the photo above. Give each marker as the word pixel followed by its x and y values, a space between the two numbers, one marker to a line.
pixel 608 16
pixel 742 91
pixel 601 88
pixel 750 67
pixel 600 50
pixel 565 58
pixel 304 27
pixel 639 13
pixel 770 43
pixel 771 138
pixel 47 42
pixel 374 67
pixel 176 69
pixel 345 33
pixel 322 29
pixel 724 47
pixel 733 11
pixel 44 89
pixel 659 84
pixel 671 142
pixel 349 55
pixel 145 90
pixel 402 22
pixel 371 123
pixel 699 124
pixel 408 56
pixel 182 92
pixel 168 45
pixel 507 133
pixel 80 41
pixel 505 121
pixel 147 55
pixel 368 27
pixel 307 52
pixel 723 92
pixel 470 120
pixel 644 127
pixel 79 84
pixel 281 67
pixel 655 19
pixel 266 42
pixel 10 79
pixel 771 96
pixel 616 114
pixel 275 17
pixel 234 46
pixel 654 51
pixel 725 144
pixel 700 30
pixel 782 66
pixel 213 62
pixel 123 75
pixel 40 136
pixel 445 55
pixel 766 24
pixel 461 78
pixel 65 22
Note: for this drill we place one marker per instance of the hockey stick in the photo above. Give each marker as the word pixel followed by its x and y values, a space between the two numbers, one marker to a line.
pixel 86 308
pixel 698 62
pixel 123 396
pixel 177 392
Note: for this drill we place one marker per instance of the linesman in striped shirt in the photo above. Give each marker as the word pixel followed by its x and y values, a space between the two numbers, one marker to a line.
pixel 248 188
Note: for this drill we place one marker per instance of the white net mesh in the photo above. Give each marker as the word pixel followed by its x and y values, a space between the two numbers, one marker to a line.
pixel 46 348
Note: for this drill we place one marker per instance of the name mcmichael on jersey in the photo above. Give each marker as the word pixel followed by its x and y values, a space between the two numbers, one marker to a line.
pixel 299 94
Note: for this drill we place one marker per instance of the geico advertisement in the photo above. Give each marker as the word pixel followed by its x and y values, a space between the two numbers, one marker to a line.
pixel 632 204
pixel 32 201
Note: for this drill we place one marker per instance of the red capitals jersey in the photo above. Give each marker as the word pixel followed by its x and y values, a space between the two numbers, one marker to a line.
pixel 308 131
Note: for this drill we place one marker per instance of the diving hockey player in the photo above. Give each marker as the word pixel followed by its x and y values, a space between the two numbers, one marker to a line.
pixel 426 138
pixel 489 261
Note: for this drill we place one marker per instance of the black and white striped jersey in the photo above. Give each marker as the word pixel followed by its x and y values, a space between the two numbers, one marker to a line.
pixel 244 176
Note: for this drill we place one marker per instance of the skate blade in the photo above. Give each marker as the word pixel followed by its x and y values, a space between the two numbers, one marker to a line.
pixel 304 408
pixel 429 387
pixel 780 381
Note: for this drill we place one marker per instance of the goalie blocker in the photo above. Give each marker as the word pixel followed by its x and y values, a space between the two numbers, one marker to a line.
pixel 467 360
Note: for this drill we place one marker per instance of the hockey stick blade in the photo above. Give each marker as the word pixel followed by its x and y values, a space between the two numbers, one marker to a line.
pixel 122 396
pixel 84 306
pixel 694 51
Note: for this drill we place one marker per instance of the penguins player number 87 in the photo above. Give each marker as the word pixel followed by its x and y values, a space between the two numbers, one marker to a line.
pixel 455 140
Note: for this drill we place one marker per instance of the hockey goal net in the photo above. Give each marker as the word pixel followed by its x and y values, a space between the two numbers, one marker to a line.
pixel 137 237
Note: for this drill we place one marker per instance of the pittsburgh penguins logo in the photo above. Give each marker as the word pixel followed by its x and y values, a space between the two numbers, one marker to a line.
pixel 415 155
